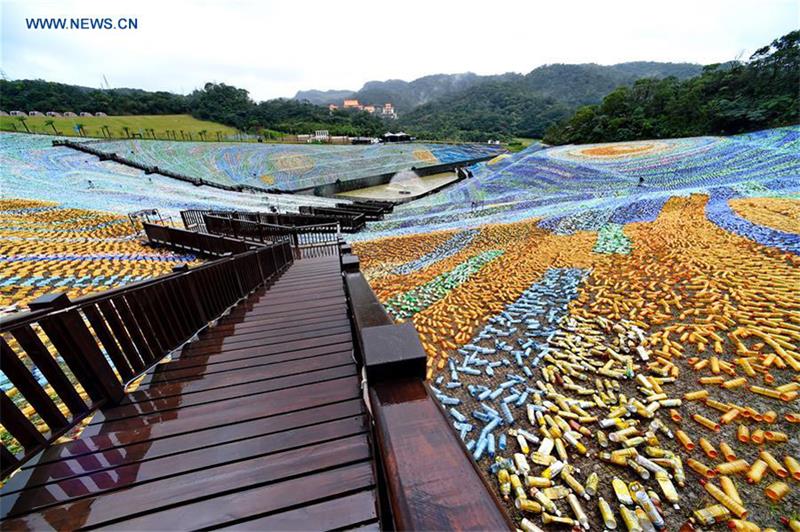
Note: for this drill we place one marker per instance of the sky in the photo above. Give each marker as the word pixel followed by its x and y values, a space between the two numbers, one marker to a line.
pixel 275 48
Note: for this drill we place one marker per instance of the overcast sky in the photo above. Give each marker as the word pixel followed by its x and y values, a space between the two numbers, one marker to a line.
pixel 274 48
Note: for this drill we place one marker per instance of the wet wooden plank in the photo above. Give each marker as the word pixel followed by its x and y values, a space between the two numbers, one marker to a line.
pixel 296 314
pixel 237 343
pixel 233 327
pixel 258 486
pixel 270 380
pixel 233 379
pixel 294 345
pixel 270 498
pixel 164 440
pixel 339 513
pixel 297 327
pixel 137 472
pixel 270 403
pixel 195 368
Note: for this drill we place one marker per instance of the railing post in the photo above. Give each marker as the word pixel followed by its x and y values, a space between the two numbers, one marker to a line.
pixel 76 345
pixel 232 265
pixel 194 295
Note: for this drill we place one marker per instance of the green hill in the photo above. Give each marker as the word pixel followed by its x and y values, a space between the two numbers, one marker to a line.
pixel 146 126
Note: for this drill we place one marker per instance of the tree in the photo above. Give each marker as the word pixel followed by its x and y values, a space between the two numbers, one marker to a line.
pixel 22 120
pixel 52 124
pixel 725 99
pixel 127 131
pixel 80 129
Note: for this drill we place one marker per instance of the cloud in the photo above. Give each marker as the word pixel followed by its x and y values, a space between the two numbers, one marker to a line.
pixel 274 48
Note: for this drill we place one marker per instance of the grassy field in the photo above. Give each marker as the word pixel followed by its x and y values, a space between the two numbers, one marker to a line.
pixel 519 144
pixel 162 126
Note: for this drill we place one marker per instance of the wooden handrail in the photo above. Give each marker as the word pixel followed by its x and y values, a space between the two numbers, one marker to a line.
pixel 431 481
pixel 107 340
pixel 316 240
pixel 352 222
pixel 202 244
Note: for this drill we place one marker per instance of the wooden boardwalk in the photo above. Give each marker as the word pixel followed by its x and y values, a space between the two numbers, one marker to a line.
pixel 259 424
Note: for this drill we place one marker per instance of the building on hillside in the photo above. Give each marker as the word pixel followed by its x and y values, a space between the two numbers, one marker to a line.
pixel 35 113
pixel 100 114
pixel 321 135
pixel 387 111
pixel 84 113
pixel 18 113
pixel 70 114
pixel 332 107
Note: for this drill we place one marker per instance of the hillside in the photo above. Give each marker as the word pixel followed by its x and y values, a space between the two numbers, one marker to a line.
pixel 146 126
pixel 472 107
pixel 587 83
pixel 527 105
pixel 725 99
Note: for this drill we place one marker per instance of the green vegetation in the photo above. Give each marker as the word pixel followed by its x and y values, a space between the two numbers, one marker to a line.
pixel 519 143
pixel 513 105
pixel 758 94
pixel 229 105
pixel 215 102
pixel 147 126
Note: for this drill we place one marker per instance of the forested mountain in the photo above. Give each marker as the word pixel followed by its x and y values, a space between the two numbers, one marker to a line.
pixel 763 92
pixel 526 106
pixel 588 83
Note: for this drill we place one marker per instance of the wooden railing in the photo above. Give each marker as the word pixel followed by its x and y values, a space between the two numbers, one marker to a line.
pixel 371 212
pixel 193 219
pixel 307 241
pixel 201 244
pixel 351 218
pixel 108 339
pixel 430 481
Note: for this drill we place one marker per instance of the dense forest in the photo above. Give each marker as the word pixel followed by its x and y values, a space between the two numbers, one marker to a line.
pixel 594 80
pixel 216 102
pixel 761 93
pixel 515 105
